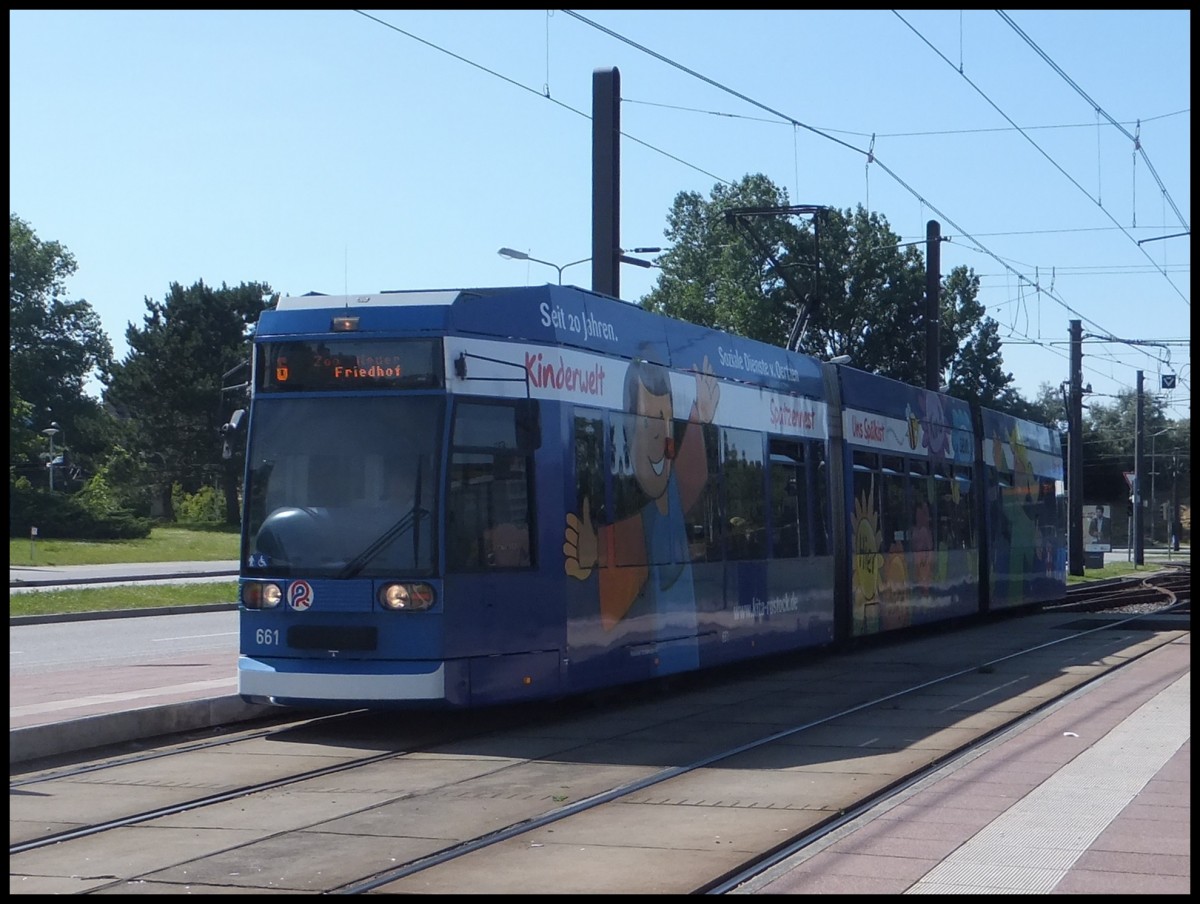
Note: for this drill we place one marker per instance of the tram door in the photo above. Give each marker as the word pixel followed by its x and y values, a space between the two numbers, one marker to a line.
pixel 490 520
pixel 586 498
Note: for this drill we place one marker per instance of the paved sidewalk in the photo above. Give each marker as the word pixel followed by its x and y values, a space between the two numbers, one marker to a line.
pixel 1092 796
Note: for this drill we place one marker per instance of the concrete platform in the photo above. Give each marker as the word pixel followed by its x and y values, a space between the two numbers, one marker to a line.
pixel 1092 797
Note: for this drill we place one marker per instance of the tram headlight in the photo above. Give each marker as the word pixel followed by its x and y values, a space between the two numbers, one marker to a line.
pixel 406 597
pixel 261 595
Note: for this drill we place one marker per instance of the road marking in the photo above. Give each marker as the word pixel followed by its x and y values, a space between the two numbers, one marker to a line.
pixel 194 637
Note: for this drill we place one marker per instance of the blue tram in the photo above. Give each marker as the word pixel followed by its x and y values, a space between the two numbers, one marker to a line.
pixel 470 497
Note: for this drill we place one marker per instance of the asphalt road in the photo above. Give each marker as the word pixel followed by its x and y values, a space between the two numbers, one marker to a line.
pixel 102 643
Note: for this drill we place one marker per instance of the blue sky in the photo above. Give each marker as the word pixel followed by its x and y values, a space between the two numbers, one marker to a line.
pixel 333 151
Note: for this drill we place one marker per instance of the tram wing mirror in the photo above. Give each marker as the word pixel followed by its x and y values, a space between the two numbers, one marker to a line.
pixel 529 425
pixel 228 431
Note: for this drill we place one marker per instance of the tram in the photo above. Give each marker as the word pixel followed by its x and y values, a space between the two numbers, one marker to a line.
pixel 470 497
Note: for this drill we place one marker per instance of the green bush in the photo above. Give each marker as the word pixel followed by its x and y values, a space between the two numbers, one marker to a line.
pixel 98 497
pixel 62 516
pixel 205 506
pixel 128 480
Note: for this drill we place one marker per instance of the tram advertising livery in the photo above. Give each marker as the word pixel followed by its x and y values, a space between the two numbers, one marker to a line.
pixel 470 497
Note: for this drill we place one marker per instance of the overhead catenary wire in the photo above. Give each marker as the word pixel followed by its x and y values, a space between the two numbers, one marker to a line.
pixel 869 154
pixel 1100 111
pixel 795 124
pixel 1042 151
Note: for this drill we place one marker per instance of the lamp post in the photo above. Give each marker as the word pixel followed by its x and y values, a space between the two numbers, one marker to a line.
pixel 513 254
pixel 50 432
pixel 1153 474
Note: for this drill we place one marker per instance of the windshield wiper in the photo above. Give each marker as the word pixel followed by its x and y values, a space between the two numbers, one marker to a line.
pixel 406 522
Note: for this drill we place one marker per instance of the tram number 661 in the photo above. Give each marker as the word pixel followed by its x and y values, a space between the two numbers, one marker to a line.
pixel 267 637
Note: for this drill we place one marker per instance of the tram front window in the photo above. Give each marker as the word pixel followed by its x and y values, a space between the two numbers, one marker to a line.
pixel 342 486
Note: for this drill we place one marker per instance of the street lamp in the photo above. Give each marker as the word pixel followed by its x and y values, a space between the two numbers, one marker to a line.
pixel 50 432
pixel 515 255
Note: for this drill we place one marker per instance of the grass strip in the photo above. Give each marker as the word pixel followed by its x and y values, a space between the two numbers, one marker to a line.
pixel 125 596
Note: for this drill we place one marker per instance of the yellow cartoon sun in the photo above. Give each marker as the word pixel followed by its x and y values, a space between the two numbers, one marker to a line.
pixel 867 559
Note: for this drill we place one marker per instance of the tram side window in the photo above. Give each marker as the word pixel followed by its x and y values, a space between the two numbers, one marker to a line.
pixel 866 536
pixel 964 511
pixel 1047 518
pixel 1036 510
pixel 745 503
pixel 705 532
pixel 895 514
pixel 922 501
pixel 589 465
pixel 943 493
pixel 868 501
pixel 628 496
pixel 633 443
pixel 1002 492
pixel 489 519
pixel 1033 501
pixel 789 500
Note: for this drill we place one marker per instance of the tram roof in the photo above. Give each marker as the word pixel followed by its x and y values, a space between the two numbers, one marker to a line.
pixel 563 316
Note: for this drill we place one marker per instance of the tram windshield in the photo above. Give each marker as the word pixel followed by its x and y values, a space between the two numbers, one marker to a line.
pixel 342 486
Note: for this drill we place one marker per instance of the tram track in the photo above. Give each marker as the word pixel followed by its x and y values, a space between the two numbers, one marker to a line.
pixel 1155 592
pixel 619 772
pixel 430 732
pixel 658 782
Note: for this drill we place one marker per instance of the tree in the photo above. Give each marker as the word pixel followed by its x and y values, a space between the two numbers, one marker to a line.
pixel 22 442
pixel 862 289
pixel 169 386
pixel 970 348
pixel 1109 433
pixel 1049 407
pixel 712 277
pixel 55 346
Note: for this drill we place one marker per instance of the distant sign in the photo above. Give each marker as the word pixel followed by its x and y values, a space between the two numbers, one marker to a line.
pixel 1097 520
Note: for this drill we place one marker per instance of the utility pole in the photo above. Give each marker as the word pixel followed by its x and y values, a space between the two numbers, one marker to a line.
pixel 606 181
pixel 1139 467
pixel 933 284
pixel 1174 529
pixel 1075 454
pixel 1153 500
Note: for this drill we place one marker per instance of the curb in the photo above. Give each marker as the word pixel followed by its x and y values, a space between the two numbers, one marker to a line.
pixel 38 741
pixel 15 620
pixel 125 578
